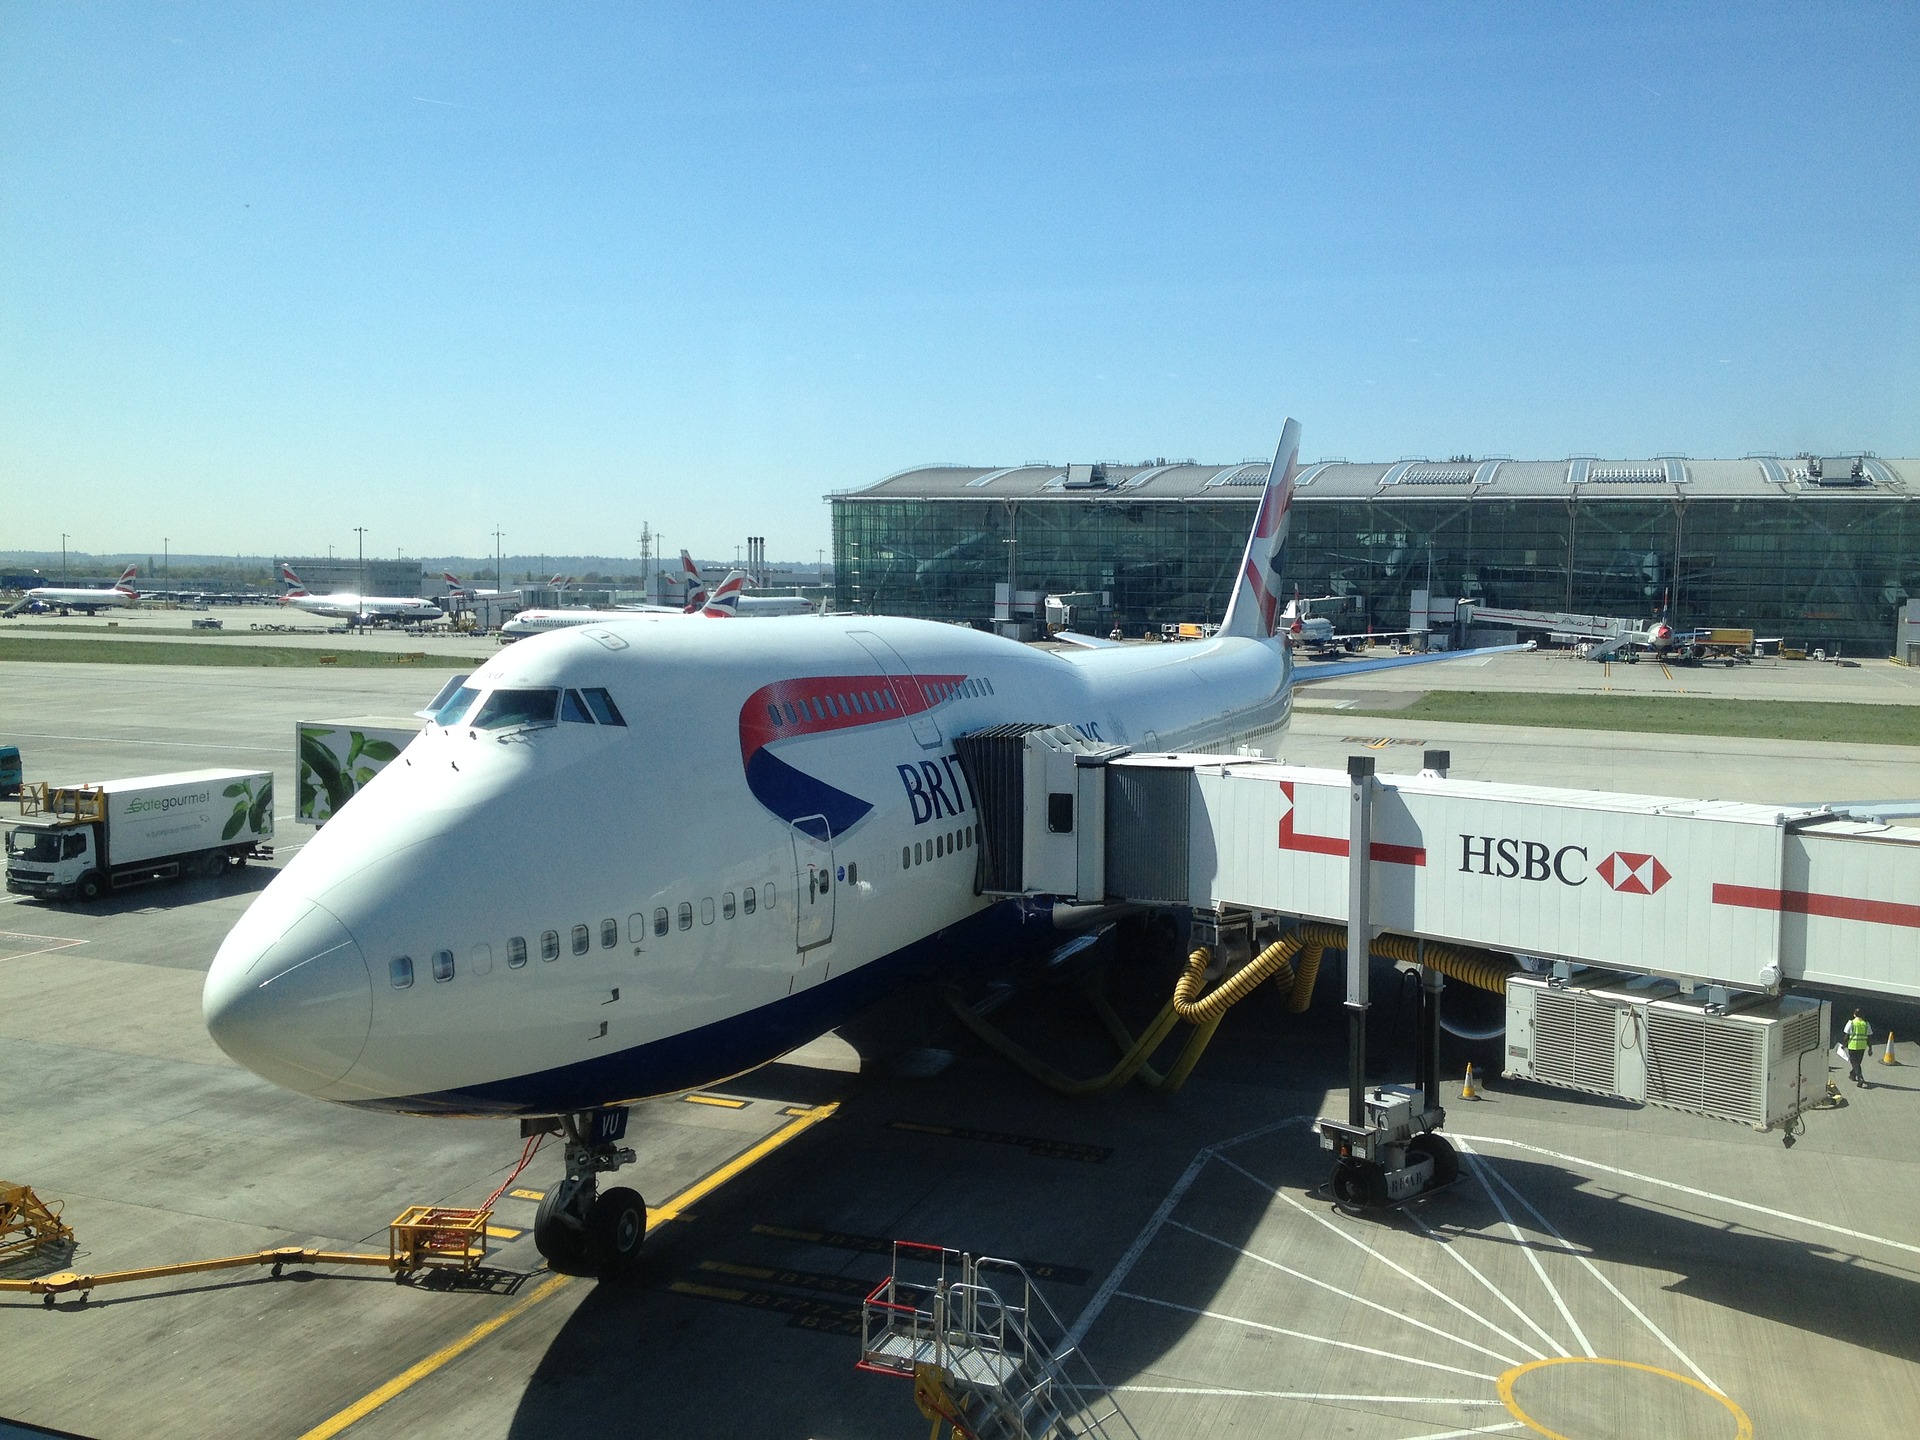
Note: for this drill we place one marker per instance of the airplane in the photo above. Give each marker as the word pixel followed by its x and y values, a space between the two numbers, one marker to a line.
pixel 90 601
pixel 359 609
pixel 505 921
pixel 724 603
pixel 455 586
pixel 1315 635
pixel 755 606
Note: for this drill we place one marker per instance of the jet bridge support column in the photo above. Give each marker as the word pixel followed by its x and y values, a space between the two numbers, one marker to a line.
pixel 1359 928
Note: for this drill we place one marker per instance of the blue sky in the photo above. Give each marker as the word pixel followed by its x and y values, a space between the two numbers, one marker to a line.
pixel 268 272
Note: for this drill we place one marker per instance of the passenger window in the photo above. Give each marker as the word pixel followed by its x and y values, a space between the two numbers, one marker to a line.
pixel 480 960
pixel 400 971
pixel 788 707
pixel 603 708
pixel 746 900
pixel 706 911
pixel 516 952
pixel 549 944
pixel 766 896
pixel 573 708
pixel 853 873
pixel 916 852
pixel 686 914
pixel 660 921
pixel 726 906
pixel 609 934
pixel 582 939
pixel 906 857
pixel 637 927
pixel 443 965
pixel 774 712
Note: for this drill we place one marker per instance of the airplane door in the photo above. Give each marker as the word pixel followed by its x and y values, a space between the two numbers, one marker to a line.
pixel 813 883
pixel 925 728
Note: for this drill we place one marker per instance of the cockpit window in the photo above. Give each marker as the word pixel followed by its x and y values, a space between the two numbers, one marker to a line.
pixel 504 709
pixel 604 710
pixel 573 708
pixel 454 690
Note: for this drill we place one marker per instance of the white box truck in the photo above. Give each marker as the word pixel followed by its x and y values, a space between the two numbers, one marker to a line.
pixel 83 840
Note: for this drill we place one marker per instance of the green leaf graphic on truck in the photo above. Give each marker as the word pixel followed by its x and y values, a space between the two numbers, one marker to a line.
pixel 249 809
pixel 335 761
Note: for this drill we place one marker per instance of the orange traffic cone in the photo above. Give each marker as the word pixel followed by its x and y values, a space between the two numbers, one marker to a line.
pixel 1469 1090
pixel 1886 1055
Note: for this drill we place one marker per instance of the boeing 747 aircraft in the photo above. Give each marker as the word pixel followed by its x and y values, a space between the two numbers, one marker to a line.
pixel 504 921
pixel 344 605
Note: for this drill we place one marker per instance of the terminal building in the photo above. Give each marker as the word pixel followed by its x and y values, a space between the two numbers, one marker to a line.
pixel 1817 551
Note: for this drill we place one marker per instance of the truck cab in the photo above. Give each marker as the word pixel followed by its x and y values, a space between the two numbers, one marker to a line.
pixel 51 859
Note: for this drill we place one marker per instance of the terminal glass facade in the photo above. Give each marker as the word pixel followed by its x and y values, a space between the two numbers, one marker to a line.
pixel 1821 571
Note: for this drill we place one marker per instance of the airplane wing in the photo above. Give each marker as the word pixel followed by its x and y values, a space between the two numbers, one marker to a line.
pixel 1341 669
pixel 1091 642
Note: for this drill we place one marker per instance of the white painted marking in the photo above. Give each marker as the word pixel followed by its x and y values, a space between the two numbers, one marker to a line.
pixel 1701 1194
pixel 1303 1335
pixel 1346 1294
pixel 1117 1277
pixel 1533 1258
pixel 57 943
pixel 1297 1395
pixel 1594 1271
pixel 1453 1251
pixel 1476 1430
pixel 1354 1240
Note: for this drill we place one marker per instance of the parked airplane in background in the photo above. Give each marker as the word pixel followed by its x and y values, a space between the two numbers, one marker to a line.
pixel 506 921
pixel 456 587
pixel 724 603
pixel 90 601
pixel 1315 635
pixel 756 606
pixel 359 609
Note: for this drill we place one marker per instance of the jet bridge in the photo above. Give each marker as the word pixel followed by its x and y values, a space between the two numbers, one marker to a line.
pixel 1647 946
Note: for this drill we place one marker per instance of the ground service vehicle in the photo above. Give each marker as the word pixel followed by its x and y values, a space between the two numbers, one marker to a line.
pixel 9 769
pixel 83 840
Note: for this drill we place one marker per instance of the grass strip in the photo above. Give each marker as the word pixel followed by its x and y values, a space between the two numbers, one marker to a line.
pixel 160 652
pixel 1676 715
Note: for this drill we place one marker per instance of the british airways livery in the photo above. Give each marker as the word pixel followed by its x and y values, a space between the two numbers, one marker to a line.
pixel 503 923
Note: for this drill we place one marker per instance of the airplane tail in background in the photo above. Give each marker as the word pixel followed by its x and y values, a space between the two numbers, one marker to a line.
pixel 453 581
pixel 1256 591
pixel 125 583
pixel 725 601
pixel 295 589
pixel 696 586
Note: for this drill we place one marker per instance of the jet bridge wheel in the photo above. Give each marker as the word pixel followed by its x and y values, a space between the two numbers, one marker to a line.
pixel 1360 1185
pixel 1446 1160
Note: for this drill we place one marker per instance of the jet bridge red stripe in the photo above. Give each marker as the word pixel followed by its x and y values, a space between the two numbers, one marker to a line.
pixel 1807 902
pixel 1332 845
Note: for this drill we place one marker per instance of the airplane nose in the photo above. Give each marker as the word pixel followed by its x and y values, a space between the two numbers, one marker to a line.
pixel 289 996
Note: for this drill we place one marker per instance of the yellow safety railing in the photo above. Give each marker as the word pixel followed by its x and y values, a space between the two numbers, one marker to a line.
pixel 63 804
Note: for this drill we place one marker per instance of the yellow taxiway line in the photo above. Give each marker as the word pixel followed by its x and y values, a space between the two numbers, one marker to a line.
pixel 803 1121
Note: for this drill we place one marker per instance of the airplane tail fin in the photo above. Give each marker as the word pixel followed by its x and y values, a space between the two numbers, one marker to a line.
pixel 725 601
pixel 125 583
pixel 696 584
pixel 453 580
pixel 1256 590
pixel 295 589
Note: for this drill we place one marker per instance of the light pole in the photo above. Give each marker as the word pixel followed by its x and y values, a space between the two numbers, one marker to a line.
pixel 496 558
pixel 361 531
pixel 64 537
pixel 166 559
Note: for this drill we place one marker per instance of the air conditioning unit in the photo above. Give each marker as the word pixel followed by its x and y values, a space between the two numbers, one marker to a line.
pixel 1760 1062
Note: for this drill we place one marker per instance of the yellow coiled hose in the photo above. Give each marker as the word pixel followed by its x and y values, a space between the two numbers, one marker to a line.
pixel 1311 941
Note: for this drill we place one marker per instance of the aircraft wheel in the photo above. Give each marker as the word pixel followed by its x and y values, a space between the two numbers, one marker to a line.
pixel 91 885
pixel 1359 1185
pixel 560 1238
pixel 1446 1160
pixel 617 1231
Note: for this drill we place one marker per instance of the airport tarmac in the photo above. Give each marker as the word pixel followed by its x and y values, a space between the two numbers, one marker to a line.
pixel 1610 1271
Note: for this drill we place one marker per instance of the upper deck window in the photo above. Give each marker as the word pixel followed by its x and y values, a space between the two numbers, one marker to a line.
pixel 505 709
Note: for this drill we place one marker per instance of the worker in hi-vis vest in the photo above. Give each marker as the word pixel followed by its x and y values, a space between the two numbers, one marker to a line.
pixel 1859 1034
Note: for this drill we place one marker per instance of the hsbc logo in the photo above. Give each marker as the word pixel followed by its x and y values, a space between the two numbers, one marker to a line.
pixel 1633 874
pixel 1505 857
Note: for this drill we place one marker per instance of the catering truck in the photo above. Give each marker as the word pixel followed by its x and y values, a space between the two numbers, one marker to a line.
pixel 83 840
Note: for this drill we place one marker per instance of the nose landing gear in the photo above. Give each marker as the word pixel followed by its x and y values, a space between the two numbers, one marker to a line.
pixel 578 1228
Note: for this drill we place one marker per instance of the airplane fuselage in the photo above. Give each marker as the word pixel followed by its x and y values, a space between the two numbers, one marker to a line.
pixel 818 755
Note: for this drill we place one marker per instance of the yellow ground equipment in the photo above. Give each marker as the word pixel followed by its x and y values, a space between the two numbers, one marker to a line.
pixel 28 1222
pixel 1204 1011
pixel 422 1238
